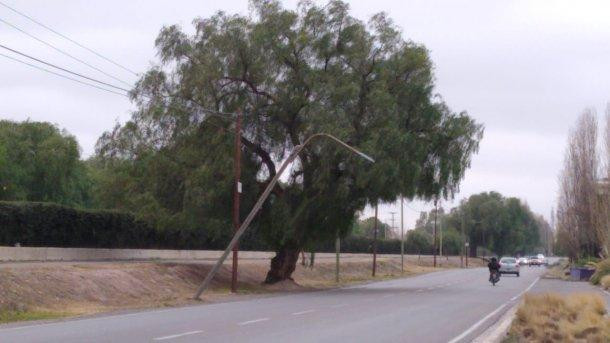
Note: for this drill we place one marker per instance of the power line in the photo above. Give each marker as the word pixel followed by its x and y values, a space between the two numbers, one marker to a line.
pixel 202 108
pixel 61 75
pixel 62 51
pixel 62 69
pixel 69 39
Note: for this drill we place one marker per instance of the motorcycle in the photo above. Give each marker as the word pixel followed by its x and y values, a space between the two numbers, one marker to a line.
pixel 494 277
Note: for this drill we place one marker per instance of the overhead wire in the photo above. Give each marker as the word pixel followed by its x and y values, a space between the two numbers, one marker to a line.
pixel 61 75
pixel 62 69
pixel 220 114
pixel 62 51
pixel 68 38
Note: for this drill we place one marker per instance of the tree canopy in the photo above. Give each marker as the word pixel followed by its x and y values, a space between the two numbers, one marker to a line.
pixel 39 162
pixel 294 73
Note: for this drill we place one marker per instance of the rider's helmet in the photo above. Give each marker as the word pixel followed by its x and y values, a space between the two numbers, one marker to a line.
pixel 493 259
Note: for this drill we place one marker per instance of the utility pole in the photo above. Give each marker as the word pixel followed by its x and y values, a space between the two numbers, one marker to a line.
pixel 392 220
pixel 463 250
pixel 549 242
pixel 434 244
pixel 440 227
pixel 236 198
pixel 337 252
pixel 375 243
pixel 402 236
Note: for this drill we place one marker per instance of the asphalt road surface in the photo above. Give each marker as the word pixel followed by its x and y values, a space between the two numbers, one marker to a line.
pixel 447 306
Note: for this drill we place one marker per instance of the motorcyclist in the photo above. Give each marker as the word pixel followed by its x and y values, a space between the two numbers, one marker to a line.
pixel 494 267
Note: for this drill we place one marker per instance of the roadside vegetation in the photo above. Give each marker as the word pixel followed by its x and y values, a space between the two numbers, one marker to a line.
pixel 34 291
pixel 558 318
pixel 583 209
pixel 15 312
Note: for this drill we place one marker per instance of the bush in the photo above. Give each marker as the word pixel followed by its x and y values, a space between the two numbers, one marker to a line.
pixel 557 318
pixel 51 225
pixel 606 282
pixel 602 269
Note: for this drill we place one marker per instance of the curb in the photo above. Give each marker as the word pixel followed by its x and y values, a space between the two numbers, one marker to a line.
pixel 497 332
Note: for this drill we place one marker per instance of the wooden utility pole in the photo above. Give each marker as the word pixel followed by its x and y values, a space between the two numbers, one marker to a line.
pixel 236 198
pixel 337 252
pixel 375 243
pixel 435 243
pixel 402 236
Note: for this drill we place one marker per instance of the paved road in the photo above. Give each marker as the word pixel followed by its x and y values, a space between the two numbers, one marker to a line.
pixel 448 306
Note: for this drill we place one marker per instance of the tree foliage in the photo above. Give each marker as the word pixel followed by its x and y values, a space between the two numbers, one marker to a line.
pixel 39 162
pixel 293 73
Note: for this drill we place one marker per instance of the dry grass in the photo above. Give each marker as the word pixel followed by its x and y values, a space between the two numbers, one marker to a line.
pixel 41 290
pixel 555 318
pixel 605 282
pixel 559 270
pixel 602 268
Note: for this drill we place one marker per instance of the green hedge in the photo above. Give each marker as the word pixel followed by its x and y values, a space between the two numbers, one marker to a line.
pixel 51 225
pixel 46 224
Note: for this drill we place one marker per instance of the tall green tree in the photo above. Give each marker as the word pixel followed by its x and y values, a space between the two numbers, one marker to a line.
pixel 498 224
pixel 294 73
pixel 40 162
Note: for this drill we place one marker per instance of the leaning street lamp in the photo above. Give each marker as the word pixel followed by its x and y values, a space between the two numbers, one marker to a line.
pixel 259 203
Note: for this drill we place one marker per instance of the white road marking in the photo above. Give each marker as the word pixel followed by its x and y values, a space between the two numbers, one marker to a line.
pixel 430 288
pixel 484 319
pixel 388 295
pixel 339 305
pixel 419 290
pixel 477 324
pixel 177 335
pixel 302 312
pixel 526 290
pixel 253 321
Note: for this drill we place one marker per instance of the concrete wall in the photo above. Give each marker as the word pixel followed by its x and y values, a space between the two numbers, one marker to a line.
pixel 21 254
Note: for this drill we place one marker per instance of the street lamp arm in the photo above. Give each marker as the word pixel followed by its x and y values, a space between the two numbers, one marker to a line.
pixel 259 203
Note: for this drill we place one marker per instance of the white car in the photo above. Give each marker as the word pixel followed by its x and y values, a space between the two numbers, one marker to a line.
pixel 509 265
pixel 523 261
pixel 542 259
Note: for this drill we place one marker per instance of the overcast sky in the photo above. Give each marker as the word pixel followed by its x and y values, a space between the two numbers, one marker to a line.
pixel 525 69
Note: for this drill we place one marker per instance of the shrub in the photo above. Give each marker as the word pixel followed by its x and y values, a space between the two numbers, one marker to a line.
pixel 606 282
pixel 602 268
pixel 555 318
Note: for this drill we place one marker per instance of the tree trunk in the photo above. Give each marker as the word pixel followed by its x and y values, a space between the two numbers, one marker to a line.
pixel 283 265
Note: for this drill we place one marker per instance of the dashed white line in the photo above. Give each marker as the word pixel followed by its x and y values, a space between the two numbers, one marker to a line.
pixel 253 321
pixel 302 312
pixel 388 295
pixel 419 290
pixel 176 335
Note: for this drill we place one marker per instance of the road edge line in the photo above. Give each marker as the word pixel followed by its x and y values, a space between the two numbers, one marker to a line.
pixel 484 319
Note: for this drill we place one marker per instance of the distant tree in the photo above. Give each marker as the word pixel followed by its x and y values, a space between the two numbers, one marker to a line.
pixel 418 242
pixel 581 229
pixel 294 73
pixel 366 228
pixel 495 223
pixel 39 162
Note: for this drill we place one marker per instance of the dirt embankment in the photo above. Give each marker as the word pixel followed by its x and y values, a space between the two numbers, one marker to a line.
pixel 92 287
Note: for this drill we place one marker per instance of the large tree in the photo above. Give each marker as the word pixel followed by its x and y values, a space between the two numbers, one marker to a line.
pixel 499 224
pixel 40 162
pixel 293 73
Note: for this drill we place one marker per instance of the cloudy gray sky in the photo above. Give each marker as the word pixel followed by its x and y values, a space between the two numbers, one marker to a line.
pixel 525 69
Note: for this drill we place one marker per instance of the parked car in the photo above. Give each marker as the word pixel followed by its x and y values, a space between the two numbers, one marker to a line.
pixel 509 265
pixel 534 261
pixel 542 259
pixel 523 261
